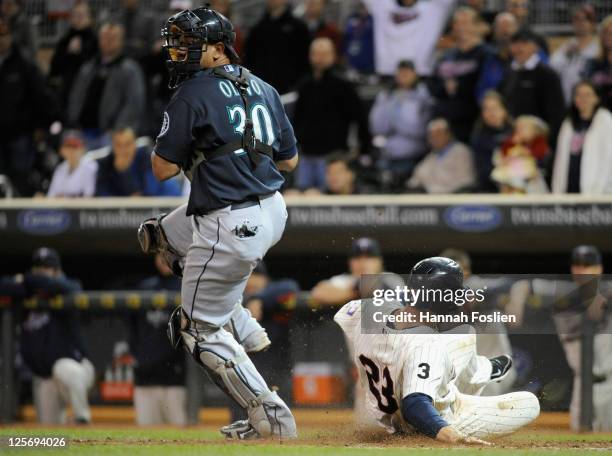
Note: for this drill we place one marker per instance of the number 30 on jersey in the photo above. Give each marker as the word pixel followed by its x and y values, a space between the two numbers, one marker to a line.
pixel 262 121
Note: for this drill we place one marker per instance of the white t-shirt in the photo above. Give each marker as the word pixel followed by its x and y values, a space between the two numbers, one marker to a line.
pixel 411 33
pixel 81 182
pixel 568 61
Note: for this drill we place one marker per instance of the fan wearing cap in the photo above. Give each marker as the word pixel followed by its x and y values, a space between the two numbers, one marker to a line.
pixel 76 175
pixel 593 294
pixel 531 86
pixel 50 342
pixel 399 118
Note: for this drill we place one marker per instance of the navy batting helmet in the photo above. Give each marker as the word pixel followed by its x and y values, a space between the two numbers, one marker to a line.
pixel 586 255
pixel 440 274
pixel 186 35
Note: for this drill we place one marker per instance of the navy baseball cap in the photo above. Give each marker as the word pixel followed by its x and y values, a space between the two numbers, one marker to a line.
pixel 365 247
pixel 73 138
pixel 586 255
pixel 408 64
pixel 47 258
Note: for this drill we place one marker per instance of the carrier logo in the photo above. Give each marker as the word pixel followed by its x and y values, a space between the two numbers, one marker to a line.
pixel 473 218
pixel 43 222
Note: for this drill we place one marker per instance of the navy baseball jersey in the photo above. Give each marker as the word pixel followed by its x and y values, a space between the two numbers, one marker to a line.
pixel 207 112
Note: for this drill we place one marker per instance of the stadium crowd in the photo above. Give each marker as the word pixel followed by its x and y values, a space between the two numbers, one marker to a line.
pixel 468 100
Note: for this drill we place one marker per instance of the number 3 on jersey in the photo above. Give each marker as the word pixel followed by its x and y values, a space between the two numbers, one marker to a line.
pixel 262 121
pixel 386 386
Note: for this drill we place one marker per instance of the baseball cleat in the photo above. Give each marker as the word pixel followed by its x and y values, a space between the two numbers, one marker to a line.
pixel 501 366
pixel 239 430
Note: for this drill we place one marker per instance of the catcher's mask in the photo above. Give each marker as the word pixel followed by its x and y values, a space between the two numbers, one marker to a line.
pixel 187 34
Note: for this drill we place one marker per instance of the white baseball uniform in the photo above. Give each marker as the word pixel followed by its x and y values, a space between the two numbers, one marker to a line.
pixel 394 365
pixel 69 383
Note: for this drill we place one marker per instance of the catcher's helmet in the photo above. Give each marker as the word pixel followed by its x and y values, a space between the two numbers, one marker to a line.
pixel 437 273
pixel 186 35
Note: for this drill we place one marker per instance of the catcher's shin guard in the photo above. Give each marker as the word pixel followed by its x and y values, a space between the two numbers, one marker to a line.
pixel 228 365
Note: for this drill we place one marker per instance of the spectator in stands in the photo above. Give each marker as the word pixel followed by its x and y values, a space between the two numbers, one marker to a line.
pixel 109 90
pixel 75 176
pixel 225 7
pixel 456 75
pixel 520 9
pixel 448 168
pixel 398 22
pixel 497 65
pixel 532 87
pixel 26 105
pixel 400 116
pixel 358 40
pixel 326 107
pixel 340 177
pixel 276 50
pixel 494 126
pixel 314 17
pixel 599 69
pixel 570 58
pixel 518 163
pixel 484 24
pixel 160 396
pixel 78 45
pixel 480 6
pixel 126 171
pixel 140 26
pixel 583 162
pixel 50 342
pixel 22 29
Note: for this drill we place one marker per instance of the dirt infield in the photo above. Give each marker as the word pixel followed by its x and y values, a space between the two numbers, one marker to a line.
pixel 219 416
pixel 318 428
pixel 337 436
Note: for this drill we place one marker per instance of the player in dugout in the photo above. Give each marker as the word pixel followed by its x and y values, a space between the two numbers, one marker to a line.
pixel 590 299
pixel 365 259
pixel 50 342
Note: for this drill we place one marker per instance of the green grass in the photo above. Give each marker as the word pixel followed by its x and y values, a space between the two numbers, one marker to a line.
pixel 134 441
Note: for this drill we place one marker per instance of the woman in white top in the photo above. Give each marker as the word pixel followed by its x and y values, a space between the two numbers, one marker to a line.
pixel 75 176
pixel 583 162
